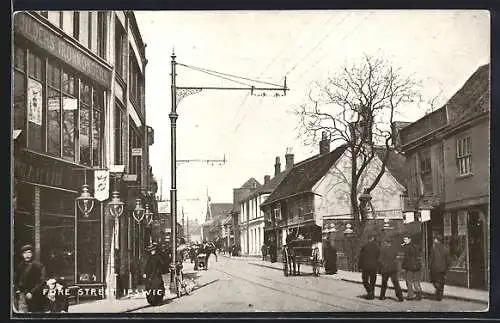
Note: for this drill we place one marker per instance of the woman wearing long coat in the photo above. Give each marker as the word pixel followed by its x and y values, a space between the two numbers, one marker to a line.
pixel 155 288
pixel 330 257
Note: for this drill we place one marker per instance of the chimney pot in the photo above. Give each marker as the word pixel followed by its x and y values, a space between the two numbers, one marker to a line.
pixel 277 166
pixel 324 144
pixel 289 158
pixel 267 178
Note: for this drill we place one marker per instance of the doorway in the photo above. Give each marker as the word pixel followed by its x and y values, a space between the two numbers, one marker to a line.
pixel 477 268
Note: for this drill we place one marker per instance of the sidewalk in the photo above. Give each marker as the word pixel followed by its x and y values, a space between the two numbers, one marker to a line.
pixel 136 297
pixel 451 292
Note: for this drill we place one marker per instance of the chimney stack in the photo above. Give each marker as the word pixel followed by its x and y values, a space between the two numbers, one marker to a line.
pixel 277 166
pixel 324 144
pixel 289 158
pixel 267 178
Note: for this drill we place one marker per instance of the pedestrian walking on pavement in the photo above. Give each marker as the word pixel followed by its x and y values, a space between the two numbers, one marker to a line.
pixel 29 279
pixel 389 269
pixel 411 266
pixel 440 263
pixel 152 273
pixel 263 249
pixel 368 263
pixel 330 257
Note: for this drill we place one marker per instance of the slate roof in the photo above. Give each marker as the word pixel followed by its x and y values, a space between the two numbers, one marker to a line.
pixel 270 186
pixel 304 175
pixel 251 183
pixel 395 163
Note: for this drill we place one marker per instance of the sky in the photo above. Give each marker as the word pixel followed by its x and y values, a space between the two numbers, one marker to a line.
pixel 441 49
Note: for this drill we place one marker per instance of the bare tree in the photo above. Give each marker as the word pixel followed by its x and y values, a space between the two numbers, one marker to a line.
pixel 356 107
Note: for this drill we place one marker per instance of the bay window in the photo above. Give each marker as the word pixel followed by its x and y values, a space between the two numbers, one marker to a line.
pixel 51 103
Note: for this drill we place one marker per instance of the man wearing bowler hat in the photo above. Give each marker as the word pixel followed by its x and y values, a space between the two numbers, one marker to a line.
pixel 29 279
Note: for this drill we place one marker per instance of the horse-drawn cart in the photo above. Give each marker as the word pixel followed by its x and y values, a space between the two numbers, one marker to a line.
pixel 300 251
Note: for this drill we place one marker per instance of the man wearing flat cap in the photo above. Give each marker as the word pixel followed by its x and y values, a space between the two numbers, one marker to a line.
pixel 29 278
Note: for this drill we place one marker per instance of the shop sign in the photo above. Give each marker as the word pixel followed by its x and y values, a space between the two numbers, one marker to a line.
pixel 50 176
pixel 136 151
pixel 425 215
pixel 409 217
pixel 49 40
pixel 101 184
pixel 35 102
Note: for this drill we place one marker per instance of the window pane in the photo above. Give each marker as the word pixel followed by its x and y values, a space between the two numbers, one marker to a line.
pixel 118 135
pixel 54 17
pixel 35 112
pixel 70 109
pixel 89 248
pixel 93 36
pixel 96 143
pixel 468 145
pixel 19 55
pixel 85 92
pixel 69 84
pixel 35 66
pixel 84 28
pixel 100 34
pixel 84 134
pixel 19 101
pixel 54 75
pixel 98 98
pixel 68 22
pixel 54 123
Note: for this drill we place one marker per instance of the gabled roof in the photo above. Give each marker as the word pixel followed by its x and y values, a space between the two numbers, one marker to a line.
pixel 395 163
pixel 221 209
pixel 252 183
pixel 304 175
pixel 270 186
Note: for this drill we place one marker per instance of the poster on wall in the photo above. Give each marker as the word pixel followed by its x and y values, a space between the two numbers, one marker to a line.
pixel 409 217
pixel 425 215
pixel 101 184
pixel 447 224
pixel 462 223
pixel 35 102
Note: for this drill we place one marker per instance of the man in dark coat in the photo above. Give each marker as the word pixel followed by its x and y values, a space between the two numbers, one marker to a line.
pixel 56 297
pixel 440 263
pixel 263 249
pixel 28 281
pixel 389 269
pixel 368 263
pixel 155 288
pixel 411 266
pixel 330 257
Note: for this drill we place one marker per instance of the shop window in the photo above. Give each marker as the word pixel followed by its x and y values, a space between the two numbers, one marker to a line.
pixel 35 98
pixel 54 122
pixel 19 88
pixel 24 219
pixel 119 49
pixel 70 114
pixel 55 18
pixel 455 231
pixel 84 28
pixel 68 18
pixel 84 134
pixel 96 139
pixel 89 248
pixel 464 156
pixel 57 234
pixel 118 135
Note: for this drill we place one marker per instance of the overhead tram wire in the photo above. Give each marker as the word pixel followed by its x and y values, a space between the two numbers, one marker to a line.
pixel 317 44
pixel 229 75
pixel 341 40
pixel 222 77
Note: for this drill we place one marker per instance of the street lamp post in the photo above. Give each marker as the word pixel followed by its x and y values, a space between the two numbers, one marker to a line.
pixel 116 210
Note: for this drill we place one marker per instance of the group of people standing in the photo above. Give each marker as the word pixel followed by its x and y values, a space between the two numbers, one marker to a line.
pixel 374 259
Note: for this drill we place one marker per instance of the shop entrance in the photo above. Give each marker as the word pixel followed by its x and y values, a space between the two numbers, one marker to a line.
pixel 477 270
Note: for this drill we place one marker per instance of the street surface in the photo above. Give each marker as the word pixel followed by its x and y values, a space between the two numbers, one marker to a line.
pixel 235 285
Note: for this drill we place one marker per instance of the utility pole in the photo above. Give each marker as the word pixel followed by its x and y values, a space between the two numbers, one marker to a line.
pixel 175 99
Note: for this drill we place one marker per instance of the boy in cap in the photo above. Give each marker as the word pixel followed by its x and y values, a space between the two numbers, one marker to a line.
pixel 28 281
pixel 411 266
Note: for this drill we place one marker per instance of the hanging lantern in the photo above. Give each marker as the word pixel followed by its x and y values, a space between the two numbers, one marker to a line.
pixel 116 205
pixel 148 215
pixel 138 212
pixel 85 201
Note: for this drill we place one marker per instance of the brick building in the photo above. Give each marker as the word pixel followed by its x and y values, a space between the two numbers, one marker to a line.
pixel 79 106
pixel 448 177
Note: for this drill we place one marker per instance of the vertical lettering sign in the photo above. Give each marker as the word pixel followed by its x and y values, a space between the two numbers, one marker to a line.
pixel 101 184
pixel 35 102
